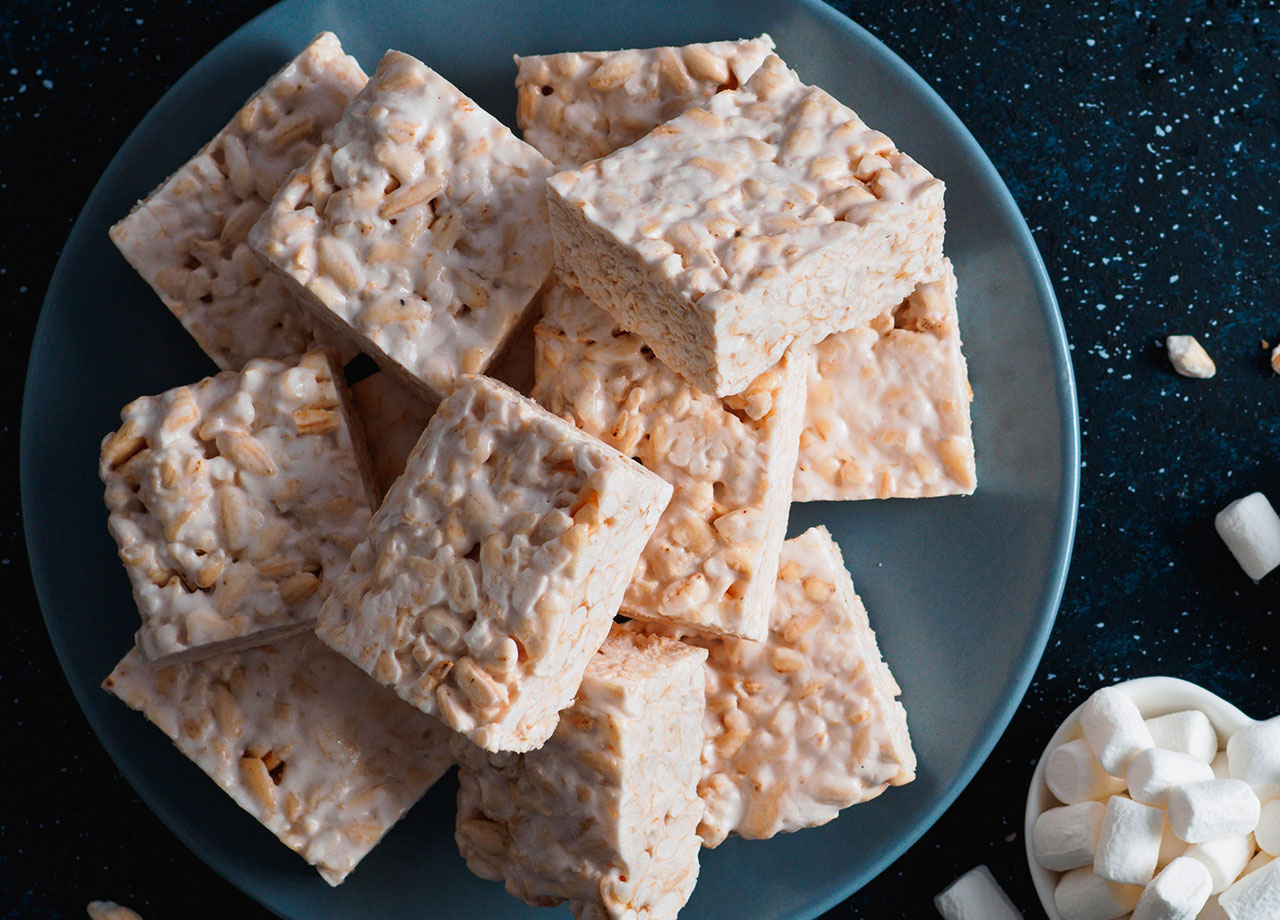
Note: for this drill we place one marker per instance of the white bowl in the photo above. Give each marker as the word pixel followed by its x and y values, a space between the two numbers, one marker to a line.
pixel 1155 696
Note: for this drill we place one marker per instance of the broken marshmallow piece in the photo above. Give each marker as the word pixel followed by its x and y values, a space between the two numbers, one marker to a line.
pixel 976 895
pixel 1082 895
pixel 1177 893
pixel 1213 809
pixel 1067 837
pixel 1267 833
pixel 1155 771
pixel 1074 775
pixel 1225 859
pixel 1250 528
pixel 1187 732
pixel 1188 356
pixel 1129 843
pixel 1256 896
pixel 1114 728
pixel 1253 754
pixel 1170 846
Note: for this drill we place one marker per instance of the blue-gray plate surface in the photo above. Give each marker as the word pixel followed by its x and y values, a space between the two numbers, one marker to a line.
pixel 962 591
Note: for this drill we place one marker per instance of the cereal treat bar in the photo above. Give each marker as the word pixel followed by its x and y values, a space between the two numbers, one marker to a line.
pixel 604 815
pixel 394 417
pixel 188 239
pixel 495 566
pixel 420 231
pixel 806 722
pixel 326 759
pixel 578 106
pixel 770 215
pixel 713 560
pixel 235 503
pixel 888 409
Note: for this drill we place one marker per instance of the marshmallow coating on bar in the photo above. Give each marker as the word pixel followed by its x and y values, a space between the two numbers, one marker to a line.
pixel 188 239
pixel 604 815
pixel 887 414
pixel 712 562
pixel 580 105
pixel 235 502
pixel 495 565
pixel 768 216
pixel 420 230
pixel 322 756
pixel 805 722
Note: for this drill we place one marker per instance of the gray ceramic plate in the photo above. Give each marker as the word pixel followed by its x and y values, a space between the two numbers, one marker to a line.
pixel 961 591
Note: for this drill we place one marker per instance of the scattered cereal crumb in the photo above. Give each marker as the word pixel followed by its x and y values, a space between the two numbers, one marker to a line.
pixel 1189 357
pixel 110 910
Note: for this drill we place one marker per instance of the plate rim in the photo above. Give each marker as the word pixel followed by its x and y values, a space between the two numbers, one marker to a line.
pixel 1067 504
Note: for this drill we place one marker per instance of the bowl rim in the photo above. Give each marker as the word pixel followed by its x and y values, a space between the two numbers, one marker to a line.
pixel 1154 696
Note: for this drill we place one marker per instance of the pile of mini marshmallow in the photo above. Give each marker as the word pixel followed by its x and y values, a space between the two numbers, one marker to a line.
pixel 1158 796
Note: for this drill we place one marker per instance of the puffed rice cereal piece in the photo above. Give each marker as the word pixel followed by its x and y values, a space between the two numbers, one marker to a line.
pixel 887 414
pixel 713 560
pixel 322 756
pixel 604 814
pixel 235 502
pixel 420 231
pixel 580 105
pixel 806 722
pixel 495 565
pixel 188 239
pixel 769 216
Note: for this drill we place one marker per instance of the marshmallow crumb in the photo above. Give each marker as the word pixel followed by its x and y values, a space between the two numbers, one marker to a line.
pixel 1189 358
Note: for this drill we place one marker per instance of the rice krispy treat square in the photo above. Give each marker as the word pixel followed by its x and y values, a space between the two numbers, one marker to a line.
pixel 235 502
pixel 768 217
pixel 712 562
pixel 495 565
pixel 604 815
pixel 420 231
pixel 580 105
pixel 394 417
pixel 189 238
pixel 887 414
pixel 806 722
pixel 319 754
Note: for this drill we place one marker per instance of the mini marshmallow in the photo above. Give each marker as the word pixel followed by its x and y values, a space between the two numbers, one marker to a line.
pixel 1170 846
pixel 1256 896
pixel 1129 843
pixel 1082 895
pixel 1177 893
pixel 1188 356
pixel 1187 732
pixel 1114 729
pixel 1213 810
pixel 1253 754
pixel 1067 837
pixel 1225 859
pixel 1259 860
pixel 976 895
pixel 1221 768
pixel 1250 528
pixel 1074 775
pixel 1155 771
pixel 1267 833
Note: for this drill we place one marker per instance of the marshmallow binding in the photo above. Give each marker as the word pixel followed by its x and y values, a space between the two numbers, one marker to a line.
pixel 1187 732
pixel 1154 772
pixel 1225 859
pixel 1250 528
pixel 1253 755
pixel 1177 893
pixel 1082 895
pixel 1067 837
pixel 1115 729
pixel 1074 775
pixel 1129 843
pixel 1213 810
pixel 976 895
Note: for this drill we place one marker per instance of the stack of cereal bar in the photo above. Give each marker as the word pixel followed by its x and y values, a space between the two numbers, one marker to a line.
pixel 711 290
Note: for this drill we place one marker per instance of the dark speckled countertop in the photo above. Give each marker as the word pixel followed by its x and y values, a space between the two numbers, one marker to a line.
pixel 1139 139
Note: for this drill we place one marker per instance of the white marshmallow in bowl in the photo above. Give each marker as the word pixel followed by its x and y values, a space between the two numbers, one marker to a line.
pixel 1253 754
pixel 1267 833
pixel 1115 729
pixel 1177 893
pixel 1074 775
pixel 1187 732
pixel 1067 837
pixel 1083 895
pixel 1155 771
pixel 1129 843
pixel 1256 896
pixel 1213 809
pixel 1225 859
